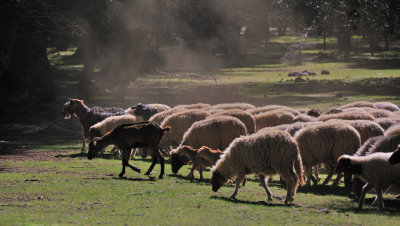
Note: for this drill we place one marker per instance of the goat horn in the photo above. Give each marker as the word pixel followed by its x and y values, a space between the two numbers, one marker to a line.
pixel 95 139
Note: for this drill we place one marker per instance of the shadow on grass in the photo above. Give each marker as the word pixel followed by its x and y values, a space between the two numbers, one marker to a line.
pixel 260 203
pixel 135 178
pixel 195 180
pixel 324 190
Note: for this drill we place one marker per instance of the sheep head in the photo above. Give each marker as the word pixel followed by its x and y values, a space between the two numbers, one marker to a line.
pixel 344 165
pixel 93 148
pixel 217 181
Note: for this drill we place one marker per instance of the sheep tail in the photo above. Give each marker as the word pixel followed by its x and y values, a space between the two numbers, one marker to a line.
pixel 298 165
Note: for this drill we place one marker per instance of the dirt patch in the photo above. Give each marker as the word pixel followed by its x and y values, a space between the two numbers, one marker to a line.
pixel 30 155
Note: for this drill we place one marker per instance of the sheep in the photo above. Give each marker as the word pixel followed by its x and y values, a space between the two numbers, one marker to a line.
pixel 273 118
pixel 267 153
pixel 393 130
pixel 159 117
pixel 294 128
pixel 348 115
pixel 325 143
pixel 333 111
pixel 87 116
pixel 101 128
pixel 143 112
pixel 385 123
pixel 395 157
pixel 365 128
pixel 215 132
pixel 192 154
pixel 385 144
pixel 304 118
pixel 374 169
pixel 378 113
pixel 268 108
pixel 180 122
pixel 128 136
pixel 387 106
pixel 227 106
pixel 358 104
pixel 202 106
pixel 243 116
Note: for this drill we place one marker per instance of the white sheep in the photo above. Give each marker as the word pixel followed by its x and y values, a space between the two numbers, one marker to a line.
pixel 374 169
pixel 385 123
pixel 347 115
pixel 393 130
pixel 227 106
pixel 263 153
pixel 357 104
pixel 387 106
pixel 264 109
pixel 244 116
pixel 325 143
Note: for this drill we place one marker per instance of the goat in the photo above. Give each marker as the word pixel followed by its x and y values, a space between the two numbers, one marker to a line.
pixel 128 136
pixel 88 116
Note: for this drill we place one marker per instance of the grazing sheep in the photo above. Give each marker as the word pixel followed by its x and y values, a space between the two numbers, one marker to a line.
pixel 393 130
pixel 387 106
pixel 180 122
pixel 378 113
pixel 358 104
pixel 243 116
pixel 87 116
pixel 227 106
pixel 374 169
pixel 260 110
pixel 385 144
pixel 325 143
pixel 128 136
pixel 265 154
pixel 348 115
pixel 294 128
pixel 273 118
pixel 395 157
pixel 385 123
pixel 215 132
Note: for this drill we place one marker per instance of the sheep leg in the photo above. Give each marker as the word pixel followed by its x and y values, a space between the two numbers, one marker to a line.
pixel 316 172
pixel 83 145
pixel 337 180
pixel 331 172
pixel 237 186
pixel 265 186
pixel 366 188
pixel 310 177
pixel 379 189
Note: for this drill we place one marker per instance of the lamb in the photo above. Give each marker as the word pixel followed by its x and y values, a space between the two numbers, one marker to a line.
pixel 227 106
pixel 325 143
pixel 191 154
pixel 374 169
pixel 215 132
pixel 386 106
pixel 128 136
pixel 395 157
pixel 348 115
pixel 180 122
pixel 273 118
pixel 209 154
pixel 264 153
pixel 393 130
pixel 87 116
pixel 243 116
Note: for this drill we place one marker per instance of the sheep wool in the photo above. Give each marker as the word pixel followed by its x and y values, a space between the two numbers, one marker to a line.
pixel 243 116
pixel 110 123
pixel 273 118
pixel 387 106
pixel 264 153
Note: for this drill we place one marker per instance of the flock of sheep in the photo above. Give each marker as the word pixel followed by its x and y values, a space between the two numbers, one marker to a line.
pixel 237 139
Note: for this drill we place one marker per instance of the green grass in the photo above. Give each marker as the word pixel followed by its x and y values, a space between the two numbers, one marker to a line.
pixel 79 191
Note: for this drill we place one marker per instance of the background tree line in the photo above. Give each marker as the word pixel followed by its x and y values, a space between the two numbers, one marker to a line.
pixel 126 38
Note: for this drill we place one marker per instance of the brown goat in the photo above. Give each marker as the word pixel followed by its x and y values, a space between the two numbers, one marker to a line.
pixel 128 136
pixel 197 163
pixel 209 154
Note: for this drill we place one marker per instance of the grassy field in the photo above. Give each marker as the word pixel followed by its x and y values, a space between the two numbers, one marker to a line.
pixel 45 180
pixel 66 188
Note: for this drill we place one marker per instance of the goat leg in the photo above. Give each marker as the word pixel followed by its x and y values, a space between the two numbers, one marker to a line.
pixel 154 158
